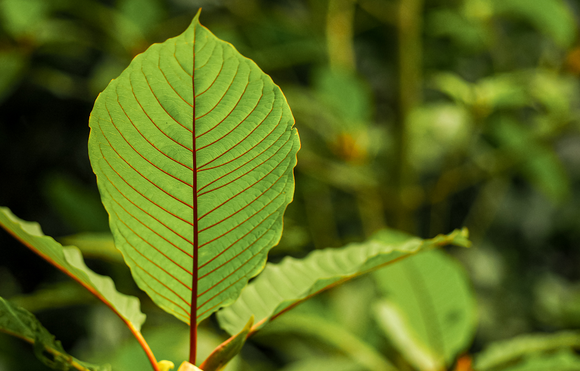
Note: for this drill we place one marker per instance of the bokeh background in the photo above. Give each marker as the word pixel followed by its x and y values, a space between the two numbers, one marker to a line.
pixel 419 115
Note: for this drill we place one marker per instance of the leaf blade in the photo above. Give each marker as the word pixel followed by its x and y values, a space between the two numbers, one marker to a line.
pixel 428 310
pixel 69 260
pixel 281 286
pixel 194 149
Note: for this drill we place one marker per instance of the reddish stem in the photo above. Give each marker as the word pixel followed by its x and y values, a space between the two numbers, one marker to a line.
pixel 193 312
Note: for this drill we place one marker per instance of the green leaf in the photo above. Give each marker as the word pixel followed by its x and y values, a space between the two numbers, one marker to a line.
pixel 564 360
pixel 333 334
pixel 19 322
pixel 77 205
pixel 428 311
pixel 69 260
pixel 502 353
pixel 95 245
pixel 552 17
pixel 193 147
pixel 227 350
pixel 13 64
pixel 539 163
pixel 282 286
pixel 61 294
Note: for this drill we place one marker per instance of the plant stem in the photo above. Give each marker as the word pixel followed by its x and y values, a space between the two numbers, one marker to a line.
pixel 339 34
pixel 409 37
pixel 144 345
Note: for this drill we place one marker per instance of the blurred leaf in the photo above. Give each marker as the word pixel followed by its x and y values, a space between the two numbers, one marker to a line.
pixel 95 245
pixel 18 322
pixel 77 205
pixel 437 130
pixel 502 353
pixel 324 363
pixel 59 295
pixel 557 302
pixel 346 95
pixel 556 92
pixel 70 261
pixel 316 327
pixel 563 360
pixel 20 18
pixel 501 91
pixel 281 286
pixel 466 32
pixel 13 63
pixel 551 17
pixel 146 14
pixel 355 318
pixel 454 86
pixel 429 309
pixel 540 164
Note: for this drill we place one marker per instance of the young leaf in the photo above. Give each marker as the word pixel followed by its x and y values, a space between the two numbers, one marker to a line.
pixel 227 350
pixel 193 147
pixel 282 286
pixel 19 322
pixel 428 310
pixel 69 260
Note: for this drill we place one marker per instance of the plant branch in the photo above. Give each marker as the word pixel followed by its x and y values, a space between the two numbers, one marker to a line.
pixel 409 35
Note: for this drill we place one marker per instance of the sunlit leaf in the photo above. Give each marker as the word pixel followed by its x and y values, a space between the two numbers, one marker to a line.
pixel 193 147
pixel 281 286
pixel 19 322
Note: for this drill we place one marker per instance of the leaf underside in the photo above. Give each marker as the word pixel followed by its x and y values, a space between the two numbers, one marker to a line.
pixel 69 260
pixel 282 286
pixel 193 147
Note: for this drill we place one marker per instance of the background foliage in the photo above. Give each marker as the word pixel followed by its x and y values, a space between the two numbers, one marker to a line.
pixel 422 115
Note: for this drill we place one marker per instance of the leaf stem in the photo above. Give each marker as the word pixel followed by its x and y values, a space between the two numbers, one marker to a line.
pixel 99 296
pixel 144 345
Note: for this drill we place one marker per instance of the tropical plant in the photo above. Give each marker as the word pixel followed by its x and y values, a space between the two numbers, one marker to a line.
pixel 194 147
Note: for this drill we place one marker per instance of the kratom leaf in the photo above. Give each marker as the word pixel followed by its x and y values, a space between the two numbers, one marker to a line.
pixel 281 286
pixel 69 260
pixel 428 311
pixel 193 147
pixel 19 322
pixel 502 353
